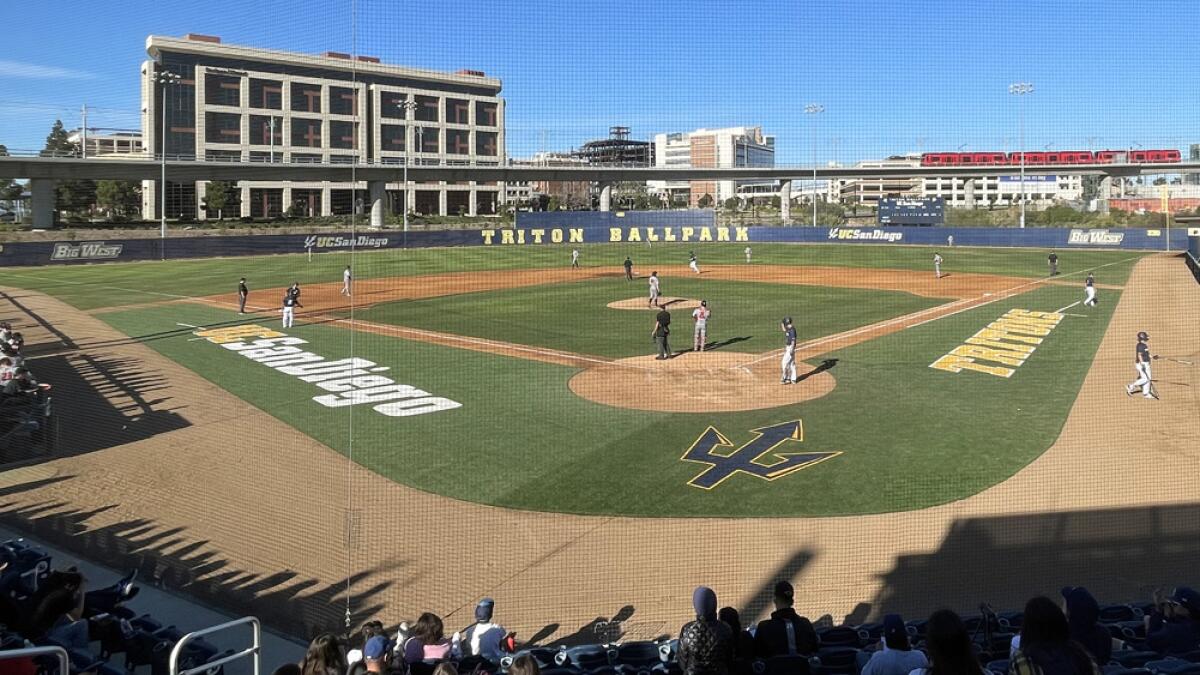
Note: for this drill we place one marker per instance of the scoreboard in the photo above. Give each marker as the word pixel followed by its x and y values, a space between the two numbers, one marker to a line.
pixel 912 211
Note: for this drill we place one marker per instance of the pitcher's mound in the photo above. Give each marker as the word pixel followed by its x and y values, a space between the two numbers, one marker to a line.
pixel 716 381
pixel 667 302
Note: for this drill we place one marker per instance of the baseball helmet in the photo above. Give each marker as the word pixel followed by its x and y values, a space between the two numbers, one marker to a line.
pixel 704 303
pixel 1143 336
pixel 787 320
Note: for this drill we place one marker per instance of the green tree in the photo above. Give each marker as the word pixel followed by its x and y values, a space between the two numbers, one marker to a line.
pixel 217 196
pixel 706 201
pixel 1161 180
pixel 72 195
pixel 118 198
pixel 58 142
pixel 731 204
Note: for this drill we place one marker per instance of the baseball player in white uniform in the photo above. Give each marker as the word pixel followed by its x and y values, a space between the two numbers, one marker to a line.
pixel 747 255
pixel 788 364
pixel 693 264
pixel 574 257
pixel 346 281
pixel 937 265
pixel 1089 290
pixel 654 290
pixel 1141 362
pixel 700 335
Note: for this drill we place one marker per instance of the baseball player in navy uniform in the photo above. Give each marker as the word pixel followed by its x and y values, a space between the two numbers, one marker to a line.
pixel 628 268
pixel 1052 260
pixel 243 294
pixel 290 302
pixel 1141 361
pixel 294 290
pixel 692 262
pixel 1089 290
pixel 788 364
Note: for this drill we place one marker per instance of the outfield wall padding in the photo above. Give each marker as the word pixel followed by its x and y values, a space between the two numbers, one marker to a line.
pixel 634 228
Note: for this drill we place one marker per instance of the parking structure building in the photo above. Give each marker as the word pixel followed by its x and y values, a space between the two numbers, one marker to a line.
pixel 245 104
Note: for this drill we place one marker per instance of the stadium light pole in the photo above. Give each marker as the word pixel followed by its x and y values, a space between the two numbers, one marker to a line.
pixel 164 79
pixel 409 106
pixel 1020 89
pixel 814 109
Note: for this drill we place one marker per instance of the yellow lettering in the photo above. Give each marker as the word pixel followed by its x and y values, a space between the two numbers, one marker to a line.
pixel 956 364
pixel 1043 315
pixel 998 355
pixel 237 333
pixel 576 235
pixel 722 234
pixel 668 235
pixel 705 234
pixel 650 235
pixel 537 235
pixel 556 235
pixel 487 237
pixel 1000 345
pixel 687 233
pixel 1023 329
pixel 989 334
pixel 614 234
pixel 743 233
pixel 506 236
pixel 520 236
pixel 635 234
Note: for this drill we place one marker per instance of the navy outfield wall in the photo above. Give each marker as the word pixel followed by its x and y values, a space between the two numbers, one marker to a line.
pixel 631 230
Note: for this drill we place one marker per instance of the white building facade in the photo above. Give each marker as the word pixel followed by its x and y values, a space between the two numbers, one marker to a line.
pixel 714 148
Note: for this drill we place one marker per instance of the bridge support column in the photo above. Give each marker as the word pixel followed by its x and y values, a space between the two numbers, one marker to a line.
pixel 969 193
pixel 377 193
pixel 43 201
pixel 606 196
pixel 785 201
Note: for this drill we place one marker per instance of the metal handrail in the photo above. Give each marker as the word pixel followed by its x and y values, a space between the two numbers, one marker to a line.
pixel 255 651
pixel 64 663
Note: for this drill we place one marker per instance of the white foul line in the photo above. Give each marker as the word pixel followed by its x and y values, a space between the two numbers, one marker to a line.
pixel 1068 307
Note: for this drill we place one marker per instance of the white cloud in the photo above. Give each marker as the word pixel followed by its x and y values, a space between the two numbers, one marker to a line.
pixel 40 72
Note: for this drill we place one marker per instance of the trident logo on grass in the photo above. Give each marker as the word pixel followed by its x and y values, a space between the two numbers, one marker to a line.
pixel 760 457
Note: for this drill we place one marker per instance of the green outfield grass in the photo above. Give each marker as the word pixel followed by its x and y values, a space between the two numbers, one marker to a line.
pixel 107 285
pixel 574 316
pixel 910 436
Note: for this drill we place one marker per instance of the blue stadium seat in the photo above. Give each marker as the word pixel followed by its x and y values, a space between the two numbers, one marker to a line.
pixel 997 666
pixel 589 657
pixel 836 661
pixel 1116 614
pixel 840 636
pixel 1121 670
pixel 784 665
pixel 1170 666
pixel 1010 621
pixel 641 654
pixel 1134 658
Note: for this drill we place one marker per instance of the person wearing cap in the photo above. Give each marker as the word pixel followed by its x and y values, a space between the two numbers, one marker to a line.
pixel 706 644
pixel 483 637
pixel 785 632
pixel 376 654
pixel 661 333
pixel 896 655
pixel 1141 362
pixel 700 334
pixel 243 294
pixel 369 630
pixel 788 363
pixel 1174 625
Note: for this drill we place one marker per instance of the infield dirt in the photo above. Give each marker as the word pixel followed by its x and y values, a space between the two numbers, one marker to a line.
pixel 161 470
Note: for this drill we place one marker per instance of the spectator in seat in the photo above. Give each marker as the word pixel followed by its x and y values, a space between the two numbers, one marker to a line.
pixel 58 615
pixel 524 665
pixel 743 641
pixel 427 643
pixel 706 644
pixel 1083 613
pixel 1174 625
pixel 896 655
pixel 785 632
pixel 377 653
pixel 324 657
pixel 1046 644
pixel 6 369
pixel 948 646
pixel 369 630
pixel 483 638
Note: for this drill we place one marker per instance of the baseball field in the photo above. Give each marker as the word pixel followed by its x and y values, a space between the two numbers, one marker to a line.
pixel 477 378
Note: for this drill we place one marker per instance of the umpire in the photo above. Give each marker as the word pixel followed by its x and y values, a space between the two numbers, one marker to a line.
pixel 662 329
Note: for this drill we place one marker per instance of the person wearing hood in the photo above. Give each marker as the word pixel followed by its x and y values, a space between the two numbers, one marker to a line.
pixel 1046 647
pixel 785 632
pixel 1174 625
pixel 1083 614
pixel 706 644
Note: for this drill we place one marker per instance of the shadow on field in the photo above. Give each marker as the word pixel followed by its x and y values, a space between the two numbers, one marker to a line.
pixel 825 365
pixel 168 558
pixel 1120 555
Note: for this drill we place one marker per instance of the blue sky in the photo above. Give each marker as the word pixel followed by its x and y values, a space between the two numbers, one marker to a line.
pixel 894 76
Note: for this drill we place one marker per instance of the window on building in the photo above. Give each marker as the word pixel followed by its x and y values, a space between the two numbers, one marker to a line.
pixel 306 97
pixel 427 139
pixel 486 143
pixel 458 111
pixel 486 114
pixel 223 127
pixel 222 89
pixel 341 159
pixel 222 156
pixel 343 135
pixel 305 158
pixel 427 109
pixel 306 133
pixel 266 94
pixel 458 141
pixel 266 157
pixel 391 105
pixel 260 130
pixel 391 137
pixel 343 101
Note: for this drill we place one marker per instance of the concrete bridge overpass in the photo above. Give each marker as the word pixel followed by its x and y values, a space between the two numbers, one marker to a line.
pixel 42 172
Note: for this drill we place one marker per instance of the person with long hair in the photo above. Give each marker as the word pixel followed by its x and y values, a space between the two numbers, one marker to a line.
pixel 948 646
pixel 743 641
pixel 427 641
pixel 524 665
pixel 1046 644
pixel 324 657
